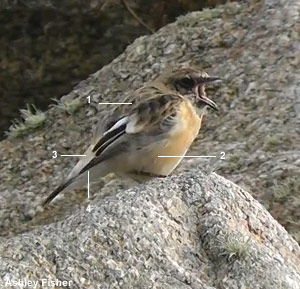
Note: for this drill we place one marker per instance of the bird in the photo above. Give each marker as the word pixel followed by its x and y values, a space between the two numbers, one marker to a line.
pixel 163 120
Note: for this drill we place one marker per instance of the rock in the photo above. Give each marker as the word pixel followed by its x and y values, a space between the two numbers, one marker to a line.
pixel 188 231
pixel 194 229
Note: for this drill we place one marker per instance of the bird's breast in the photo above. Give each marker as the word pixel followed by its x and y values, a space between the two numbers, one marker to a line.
pixel 163 157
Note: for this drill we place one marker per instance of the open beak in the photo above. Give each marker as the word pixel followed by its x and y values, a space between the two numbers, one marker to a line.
pixel 206 79
pixel 200 90
pixel 209 102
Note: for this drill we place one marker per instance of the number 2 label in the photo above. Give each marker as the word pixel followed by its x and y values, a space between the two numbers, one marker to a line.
pixel 222 155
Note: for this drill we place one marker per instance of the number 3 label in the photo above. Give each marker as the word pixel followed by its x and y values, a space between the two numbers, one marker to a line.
pixel 54 154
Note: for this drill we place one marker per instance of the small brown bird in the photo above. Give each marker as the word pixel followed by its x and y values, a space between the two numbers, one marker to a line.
pixel 163 120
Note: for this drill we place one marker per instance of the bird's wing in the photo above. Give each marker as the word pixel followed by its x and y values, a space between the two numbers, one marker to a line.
pixel 147 122
pixel 115 113
pixel 153 118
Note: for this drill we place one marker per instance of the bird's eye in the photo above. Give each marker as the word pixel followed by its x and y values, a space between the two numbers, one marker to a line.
pixel 186 82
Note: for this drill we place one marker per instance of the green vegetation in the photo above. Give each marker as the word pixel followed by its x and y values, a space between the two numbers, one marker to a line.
pixel 70 106
pixel 290 187
pixel 235 249
pixel 31 118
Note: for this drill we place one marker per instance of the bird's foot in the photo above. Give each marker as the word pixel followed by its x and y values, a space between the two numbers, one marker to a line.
pixel 147 174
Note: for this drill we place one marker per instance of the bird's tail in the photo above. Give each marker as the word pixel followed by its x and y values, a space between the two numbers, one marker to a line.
pixel 58 190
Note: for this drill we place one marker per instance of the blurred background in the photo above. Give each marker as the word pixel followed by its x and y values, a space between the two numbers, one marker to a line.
pixel 47 47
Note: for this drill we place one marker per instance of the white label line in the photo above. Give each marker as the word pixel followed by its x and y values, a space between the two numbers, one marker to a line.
pixel 88 184
pixel 73 155
pixel 187 156
pixel 115 103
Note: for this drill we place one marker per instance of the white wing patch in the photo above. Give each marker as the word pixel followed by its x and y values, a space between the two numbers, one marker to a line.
pixel 120 122
pixel 132 126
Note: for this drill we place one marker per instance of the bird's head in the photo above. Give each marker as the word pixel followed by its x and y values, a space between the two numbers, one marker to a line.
pixel 190 83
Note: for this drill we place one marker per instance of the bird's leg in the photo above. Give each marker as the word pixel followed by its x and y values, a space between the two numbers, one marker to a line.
pixel 147 174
